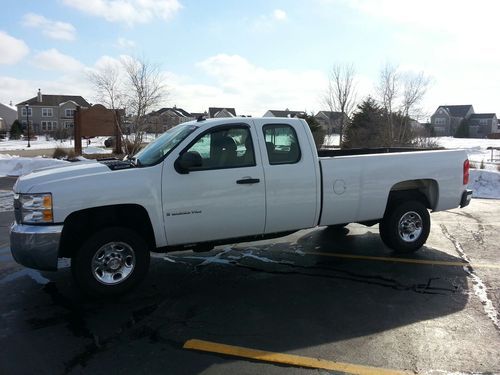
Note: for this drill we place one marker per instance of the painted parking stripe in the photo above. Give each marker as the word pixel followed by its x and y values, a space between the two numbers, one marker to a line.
pixel 286 359
pixel 404 260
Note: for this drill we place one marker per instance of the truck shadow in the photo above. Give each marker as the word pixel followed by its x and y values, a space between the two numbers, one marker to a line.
pixel 271 296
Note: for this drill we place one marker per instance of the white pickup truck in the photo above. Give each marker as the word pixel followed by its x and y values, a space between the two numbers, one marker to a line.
pixel 209 182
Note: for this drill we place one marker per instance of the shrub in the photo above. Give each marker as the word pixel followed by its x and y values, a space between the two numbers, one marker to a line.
pixel 60 153
pixel 16 130
pixel 481 166
pixel 472 165
pixel 498 167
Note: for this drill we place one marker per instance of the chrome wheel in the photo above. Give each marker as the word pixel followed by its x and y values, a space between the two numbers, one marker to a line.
pixel 410 226
pixel 113 263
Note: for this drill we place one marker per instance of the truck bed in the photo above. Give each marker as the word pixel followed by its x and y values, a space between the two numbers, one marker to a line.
pixel 356 186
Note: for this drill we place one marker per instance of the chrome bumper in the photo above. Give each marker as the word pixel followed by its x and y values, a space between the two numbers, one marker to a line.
pixel 466 197
pixel 36 246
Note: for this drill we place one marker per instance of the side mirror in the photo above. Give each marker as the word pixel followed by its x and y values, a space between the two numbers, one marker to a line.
pixel 187 161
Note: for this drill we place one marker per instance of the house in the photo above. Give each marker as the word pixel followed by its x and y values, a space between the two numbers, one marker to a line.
pixel 166 118
pixel 285 113
pixel 216 112
pixel 8 115
pixel 47 113
pixel 330 121
pixel 448 118
pixel 481 125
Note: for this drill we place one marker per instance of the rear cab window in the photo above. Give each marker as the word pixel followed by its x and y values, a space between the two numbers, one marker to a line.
pixel 282 145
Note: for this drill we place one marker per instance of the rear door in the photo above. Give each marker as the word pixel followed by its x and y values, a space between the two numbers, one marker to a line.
pixel 292 175
pixel 223 198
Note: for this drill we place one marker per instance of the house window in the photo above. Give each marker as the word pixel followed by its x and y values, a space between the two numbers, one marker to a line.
pixel 68 124
pixel 23 111
pixel 69 112
pixel 49 125
pixel 439 121
pixel 483 121
pixel 47 112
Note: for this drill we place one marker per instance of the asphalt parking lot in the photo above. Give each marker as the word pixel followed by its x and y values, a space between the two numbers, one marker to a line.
pixel 317 301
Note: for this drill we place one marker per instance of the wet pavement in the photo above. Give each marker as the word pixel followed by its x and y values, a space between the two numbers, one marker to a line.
pixel 337 295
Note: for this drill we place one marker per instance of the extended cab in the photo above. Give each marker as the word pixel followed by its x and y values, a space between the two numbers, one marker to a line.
pixel 210 182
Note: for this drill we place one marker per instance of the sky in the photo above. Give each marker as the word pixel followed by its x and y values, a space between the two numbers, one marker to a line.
pixel 253 55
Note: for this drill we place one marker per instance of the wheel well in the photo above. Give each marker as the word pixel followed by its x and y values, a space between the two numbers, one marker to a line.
pixel 425 191
pixel 79 225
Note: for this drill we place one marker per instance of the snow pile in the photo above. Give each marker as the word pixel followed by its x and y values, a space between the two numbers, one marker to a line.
pixel 484 183
pixel 18 166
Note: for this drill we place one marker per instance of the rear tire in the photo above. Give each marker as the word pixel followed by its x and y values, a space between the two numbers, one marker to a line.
pixel 405 226
pixel 111 262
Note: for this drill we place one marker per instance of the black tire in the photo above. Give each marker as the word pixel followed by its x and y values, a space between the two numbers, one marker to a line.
pixel 111 262
pixel 405 226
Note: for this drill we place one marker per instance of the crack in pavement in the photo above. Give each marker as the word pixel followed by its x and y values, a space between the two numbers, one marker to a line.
pixel 480 289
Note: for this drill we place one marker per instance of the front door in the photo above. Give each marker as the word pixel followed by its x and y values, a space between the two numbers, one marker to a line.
pixel 222 198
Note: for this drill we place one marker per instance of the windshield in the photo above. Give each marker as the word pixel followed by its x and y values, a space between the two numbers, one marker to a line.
pixel 160 147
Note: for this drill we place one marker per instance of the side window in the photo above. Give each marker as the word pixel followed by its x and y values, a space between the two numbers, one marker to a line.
pixel 282 144
pixel 225 148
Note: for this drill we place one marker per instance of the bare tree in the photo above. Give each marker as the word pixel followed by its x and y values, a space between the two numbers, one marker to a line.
pixel 145 90
pixel 415 86
pixel 388 91
pixel 133 85
pixel 108 86
pixel 340 95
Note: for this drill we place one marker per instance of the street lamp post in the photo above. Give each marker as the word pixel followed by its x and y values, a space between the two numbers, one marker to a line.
pixel 28 123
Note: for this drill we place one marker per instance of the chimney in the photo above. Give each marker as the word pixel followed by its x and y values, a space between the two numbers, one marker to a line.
pixel 39 96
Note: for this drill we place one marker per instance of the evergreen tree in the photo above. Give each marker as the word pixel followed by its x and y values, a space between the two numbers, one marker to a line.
pixel 316 129
pixel 16 130
pixel 462 130
pixel 367 126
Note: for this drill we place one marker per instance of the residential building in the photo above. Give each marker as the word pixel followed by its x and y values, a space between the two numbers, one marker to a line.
pixel 166 118
pixel 448 118
pixel 481 125
pixel 8 115
pixel 285 113
pixel 47 113
pixel 331 121
pixel 218 112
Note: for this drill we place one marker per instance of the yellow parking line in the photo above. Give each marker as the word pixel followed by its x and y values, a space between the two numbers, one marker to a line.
pixel 286 359
pixel 404 260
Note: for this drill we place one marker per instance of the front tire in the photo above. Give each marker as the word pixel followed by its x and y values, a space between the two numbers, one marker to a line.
pixel 406 226
pixel 111 262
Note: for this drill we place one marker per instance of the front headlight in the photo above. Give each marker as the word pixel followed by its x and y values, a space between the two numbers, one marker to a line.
pixel 33 208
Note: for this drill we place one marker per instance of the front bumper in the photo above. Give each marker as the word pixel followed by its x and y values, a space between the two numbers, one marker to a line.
pixel 466 197
pixel 36 246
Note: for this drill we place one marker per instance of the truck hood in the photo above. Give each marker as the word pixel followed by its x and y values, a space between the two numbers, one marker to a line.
pixel 35 181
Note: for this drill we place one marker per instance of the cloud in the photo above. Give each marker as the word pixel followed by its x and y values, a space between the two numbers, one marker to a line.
pixel 52 59
pixel 279 15
pixel 12 49
pixel 125 43
pixel 266 22
pixel 127 11
pixel 249 88
pixel 53 29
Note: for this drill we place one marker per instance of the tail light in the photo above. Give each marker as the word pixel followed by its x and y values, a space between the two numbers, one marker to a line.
pixel 466 171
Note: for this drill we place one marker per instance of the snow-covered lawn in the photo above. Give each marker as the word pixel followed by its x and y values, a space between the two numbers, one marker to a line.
pixel 17 166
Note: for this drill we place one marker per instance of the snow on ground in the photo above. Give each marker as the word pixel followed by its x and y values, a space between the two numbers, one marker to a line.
pixel 42 144
pixel 484 183
pixel 475 148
